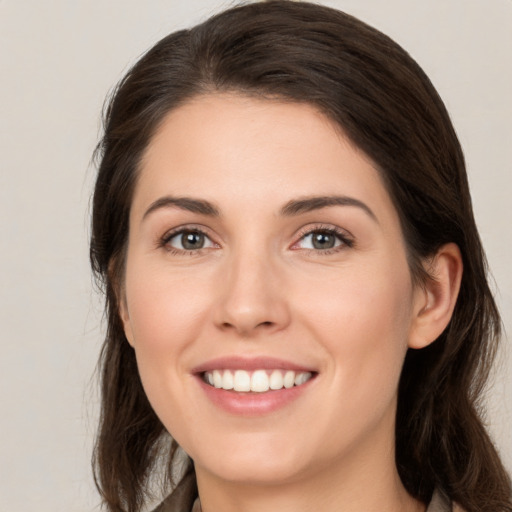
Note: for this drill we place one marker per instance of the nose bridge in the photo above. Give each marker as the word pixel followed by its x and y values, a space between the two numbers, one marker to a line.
pixel 251 297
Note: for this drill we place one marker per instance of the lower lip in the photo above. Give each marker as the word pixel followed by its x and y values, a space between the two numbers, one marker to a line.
pixel 253 404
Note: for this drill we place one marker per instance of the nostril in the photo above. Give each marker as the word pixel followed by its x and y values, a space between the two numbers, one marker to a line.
pixel 228 325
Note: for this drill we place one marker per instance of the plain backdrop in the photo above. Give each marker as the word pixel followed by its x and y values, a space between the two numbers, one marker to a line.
pixel 58 60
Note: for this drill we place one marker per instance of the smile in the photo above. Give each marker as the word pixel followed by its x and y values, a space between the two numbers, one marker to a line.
pixel 258 381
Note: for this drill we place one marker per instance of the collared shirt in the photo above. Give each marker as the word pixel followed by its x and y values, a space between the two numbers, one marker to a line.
pixel 184 499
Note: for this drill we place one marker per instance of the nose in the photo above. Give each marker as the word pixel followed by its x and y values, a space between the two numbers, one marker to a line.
pixel 252 296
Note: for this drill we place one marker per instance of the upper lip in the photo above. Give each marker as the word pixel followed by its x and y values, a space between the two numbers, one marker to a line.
pixel 250 364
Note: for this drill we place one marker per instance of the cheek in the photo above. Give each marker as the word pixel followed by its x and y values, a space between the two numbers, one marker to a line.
pixel 363 322
pixel 166 312
pixel 164 309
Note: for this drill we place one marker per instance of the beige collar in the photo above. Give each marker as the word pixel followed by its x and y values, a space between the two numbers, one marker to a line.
pixel 439 503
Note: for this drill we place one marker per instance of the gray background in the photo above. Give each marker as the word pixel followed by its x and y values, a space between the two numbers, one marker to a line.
pixel 58 60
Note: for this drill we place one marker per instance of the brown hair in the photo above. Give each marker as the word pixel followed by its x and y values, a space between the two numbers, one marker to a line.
pixel 387 106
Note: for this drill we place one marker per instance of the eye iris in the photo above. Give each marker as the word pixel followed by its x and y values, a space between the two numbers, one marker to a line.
pixel 322 240
pixel 192 240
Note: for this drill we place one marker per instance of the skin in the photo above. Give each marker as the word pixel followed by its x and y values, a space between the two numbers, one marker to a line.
pixel 259 288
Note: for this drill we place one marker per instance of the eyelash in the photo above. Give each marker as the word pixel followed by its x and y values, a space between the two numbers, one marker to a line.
pixel 342 236
pixel 165 240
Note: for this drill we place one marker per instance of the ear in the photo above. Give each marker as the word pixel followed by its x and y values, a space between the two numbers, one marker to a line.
pixel 117 283
pixel 435 301
pixel 125 318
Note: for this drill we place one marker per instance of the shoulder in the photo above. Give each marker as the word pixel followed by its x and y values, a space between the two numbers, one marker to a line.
pixel 182 498
pixel 441 503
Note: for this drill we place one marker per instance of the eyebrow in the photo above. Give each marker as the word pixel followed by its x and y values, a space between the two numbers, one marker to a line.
pixel 183 203
pixel 308 204
pixel 291 208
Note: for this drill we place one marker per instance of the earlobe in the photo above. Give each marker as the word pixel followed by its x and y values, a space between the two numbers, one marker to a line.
pixel 125 319
pixel 435 301
pixel 117 282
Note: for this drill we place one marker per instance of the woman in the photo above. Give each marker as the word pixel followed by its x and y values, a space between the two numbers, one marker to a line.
pixel 295 286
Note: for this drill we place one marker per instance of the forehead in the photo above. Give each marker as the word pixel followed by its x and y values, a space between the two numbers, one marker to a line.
pixel 226 147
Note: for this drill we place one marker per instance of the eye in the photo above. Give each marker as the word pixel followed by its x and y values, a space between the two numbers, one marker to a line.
pixel 188 240
pixel 320 240
pixel 323 240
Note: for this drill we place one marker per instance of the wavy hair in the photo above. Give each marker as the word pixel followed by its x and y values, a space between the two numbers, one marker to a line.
pixel 384 102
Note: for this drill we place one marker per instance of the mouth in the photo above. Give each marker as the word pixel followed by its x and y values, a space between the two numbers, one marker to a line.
pixel 257 381
pixel 255 386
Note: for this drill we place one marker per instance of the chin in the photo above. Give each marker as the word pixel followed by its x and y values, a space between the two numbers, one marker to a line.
pixel 258 463
pixel 255 472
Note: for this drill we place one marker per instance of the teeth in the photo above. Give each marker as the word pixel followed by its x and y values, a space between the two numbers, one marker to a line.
pixel 228 380
pixel 301 378
pixel 242 381
pixel 217 379
pixel 259 381
pixel 276 380
pixel 289 379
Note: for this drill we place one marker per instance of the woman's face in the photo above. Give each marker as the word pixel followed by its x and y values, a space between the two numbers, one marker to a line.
pixel 264 252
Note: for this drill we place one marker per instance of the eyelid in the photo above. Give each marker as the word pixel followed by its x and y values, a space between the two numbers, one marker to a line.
pixel 346 238
pixel 164 240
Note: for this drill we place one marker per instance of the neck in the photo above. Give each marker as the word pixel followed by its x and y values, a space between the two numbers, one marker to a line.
pixel 308 496
pixel 367 480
